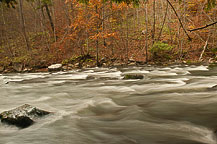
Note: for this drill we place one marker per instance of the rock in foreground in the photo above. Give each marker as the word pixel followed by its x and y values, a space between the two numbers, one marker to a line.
pixel 133 76
pixel 22 116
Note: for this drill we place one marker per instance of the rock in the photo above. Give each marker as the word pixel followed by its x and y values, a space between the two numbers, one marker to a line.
pixel 104 65
pixel 70 68
pixel 213 88
pixel 184 62
pixel 18 67
pixel 65 68
pixel 211 60
pixel 6 82
pixel 77 65
pixel 23 116
pixel 133 76
pixel 70 65
pixel 90 77
pixel 8 69
pixel 27 70
pixel 132 64
pixel 88 66
pixel 55 67
pixel 117 64
pixel 131 60
pixel 103 60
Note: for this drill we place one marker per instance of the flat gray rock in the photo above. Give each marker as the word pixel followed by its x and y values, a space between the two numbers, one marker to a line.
pixel 55 67
pixel 23 116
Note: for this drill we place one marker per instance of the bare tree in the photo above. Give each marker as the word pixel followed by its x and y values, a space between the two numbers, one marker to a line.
pixel 146 33
pixel 22 22
pixel 154 22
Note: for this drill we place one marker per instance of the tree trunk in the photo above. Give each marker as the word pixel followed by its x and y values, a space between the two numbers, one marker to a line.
pixel 165 16
pixel 4 37
pixel 146 34
pixel 50 18
pixel 23 24
pixel 103 23
pixel 154 23
pixel 127 44
pixel 97 42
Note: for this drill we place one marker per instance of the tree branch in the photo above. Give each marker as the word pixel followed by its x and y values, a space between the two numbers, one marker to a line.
pixel 202 27
pixel 189 38
pixel 165 16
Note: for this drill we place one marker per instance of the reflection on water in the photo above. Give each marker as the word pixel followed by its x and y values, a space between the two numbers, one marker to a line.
pixel 171 105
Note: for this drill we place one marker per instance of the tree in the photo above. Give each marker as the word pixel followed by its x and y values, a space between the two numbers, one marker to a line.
pixel 23 24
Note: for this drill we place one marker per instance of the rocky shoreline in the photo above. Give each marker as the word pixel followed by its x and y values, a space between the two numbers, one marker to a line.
pixel 19 68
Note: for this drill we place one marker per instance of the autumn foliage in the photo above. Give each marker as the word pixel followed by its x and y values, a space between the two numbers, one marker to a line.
pixel 115 31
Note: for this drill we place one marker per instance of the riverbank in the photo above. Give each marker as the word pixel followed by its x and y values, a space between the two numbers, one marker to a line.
pixel 90 62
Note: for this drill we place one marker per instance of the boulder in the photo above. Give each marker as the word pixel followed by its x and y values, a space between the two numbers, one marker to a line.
pixel 55 67
pixel 133 76
pixel 23 116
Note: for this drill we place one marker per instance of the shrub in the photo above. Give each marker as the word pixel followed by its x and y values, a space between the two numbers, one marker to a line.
pixel 161 51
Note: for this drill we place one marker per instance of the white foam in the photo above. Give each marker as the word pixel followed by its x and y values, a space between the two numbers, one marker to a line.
pixel 43 98
pixel 89 71
pixel 117 88
pixel 197 68
pixel 56 82
pixel 22 77
pixel 162 73
pixel 115 74
pixel 72 76
pixel 137 71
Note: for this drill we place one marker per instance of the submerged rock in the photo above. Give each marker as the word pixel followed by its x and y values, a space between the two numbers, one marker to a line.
pixel 55 67
pixel 213 88
pixel 133 76
pixel 22 116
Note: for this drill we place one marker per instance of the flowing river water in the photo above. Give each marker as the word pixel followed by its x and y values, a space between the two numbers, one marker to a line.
pixel 171 105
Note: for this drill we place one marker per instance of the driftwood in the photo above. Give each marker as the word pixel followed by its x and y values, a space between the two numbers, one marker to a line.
pixel 204 48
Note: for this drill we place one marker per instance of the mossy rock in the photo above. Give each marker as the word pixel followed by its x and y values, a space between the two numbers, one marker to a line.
pixel 133 76
pixel 22 116
pixel 213 65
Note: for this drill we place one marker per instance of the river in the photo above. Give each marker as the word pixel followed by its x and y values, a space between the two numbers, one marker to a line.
pixel 171 105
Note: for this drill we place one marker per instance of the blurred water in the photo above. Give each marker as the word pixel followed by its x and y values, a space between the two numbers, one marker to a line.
pixel 171 105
